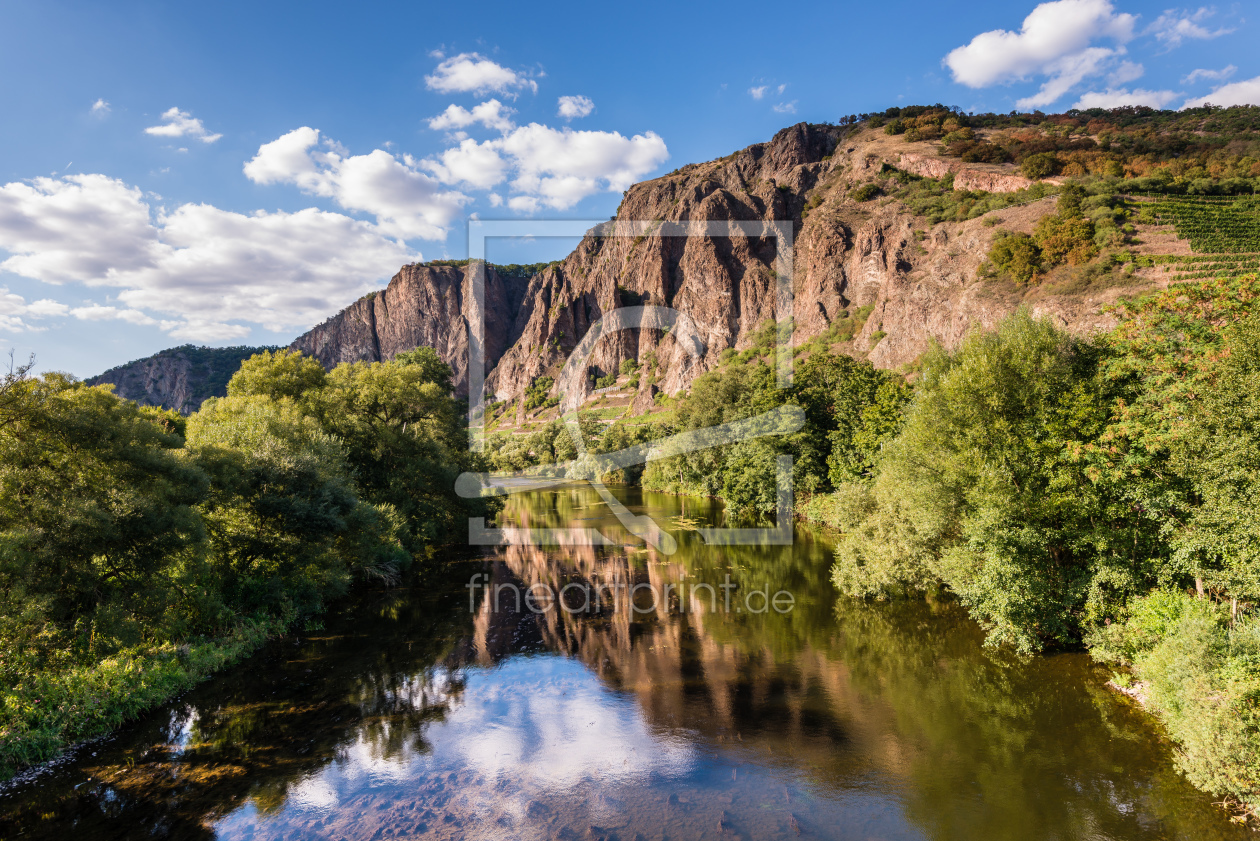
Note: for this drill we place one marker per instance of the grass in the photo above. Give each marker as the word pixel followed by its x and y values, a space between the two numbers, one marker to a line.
pixel 50 709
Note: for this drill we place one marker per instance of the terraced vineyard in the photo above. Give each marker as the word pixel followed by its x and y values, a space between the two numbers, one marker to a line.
pixel 1199 267
pixel 1213 225
pixel 1224 231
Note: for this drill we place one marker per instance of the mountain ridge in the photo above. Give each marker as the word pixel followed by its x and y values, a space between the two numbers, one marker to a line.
pixel 861 248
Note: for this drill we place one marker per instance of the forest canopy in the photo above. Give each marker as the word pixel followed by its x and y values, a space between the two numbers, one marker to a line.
pixel 141 549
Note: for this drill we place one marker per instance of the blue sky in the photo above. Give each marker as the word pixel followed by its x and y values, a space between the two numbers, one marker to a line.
pixel 232 173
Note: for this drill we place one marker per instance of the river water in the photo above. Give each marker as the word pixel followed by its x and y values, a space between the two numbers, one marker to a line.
pixel 443 711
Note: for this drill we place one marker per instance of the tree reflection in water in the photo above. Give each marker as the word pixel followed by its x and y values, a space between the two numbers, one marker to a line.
pixel 413 717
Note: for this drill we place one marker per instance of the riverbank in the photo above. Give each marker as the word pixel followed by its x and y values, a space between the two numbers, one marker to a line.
pixel 415 713
pixel 1185 662
pixel 63 705
pixel 142 550
pixel 1196 669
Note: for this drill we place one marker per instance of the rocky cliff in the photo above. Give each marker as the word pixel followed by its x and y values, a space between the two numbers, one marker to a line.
pixel 180 378
pixel 919 282
pixel 989 178
pixel 915 282
pixel 423 306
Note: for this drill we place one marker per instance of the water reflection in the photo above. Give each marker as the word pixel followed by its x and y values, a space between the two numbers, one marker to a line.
pixel 416 717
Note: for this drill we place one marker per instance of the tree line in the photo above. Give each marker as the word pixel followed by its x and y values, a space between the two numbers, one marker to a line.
pixel 140 549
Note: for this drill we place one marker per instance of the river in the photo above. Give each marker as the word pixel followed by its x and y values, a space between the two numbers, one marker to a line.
pixel 441 710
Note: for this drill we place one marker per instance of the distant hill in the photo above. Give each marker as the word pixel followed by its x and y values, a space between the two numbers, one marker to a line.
pixel 181 378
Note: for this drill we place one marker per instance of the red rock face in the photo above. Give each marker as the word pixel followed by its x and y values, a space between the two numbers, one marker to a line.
pixel 975 177
pixel 919 282
pixel 422 307
pixel 725 286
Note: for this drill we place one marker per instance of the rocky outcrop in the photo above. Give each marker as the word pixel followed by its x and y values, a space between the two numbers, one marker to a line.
pixel 915 283
pixel 927 166
pixel 989 179
pixel 919 283
pixel 423 306
pixel 724 287
pixel 181 378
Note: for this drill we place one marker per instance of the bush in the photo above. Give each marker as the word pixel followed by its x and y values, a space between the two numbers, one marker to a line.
pixel 1040 165
pixel 1202 679
pixel 1220 455
pixel 866 192
pixel 1017 255
pixel 537 395
pixel 1066 237
pixel 983 490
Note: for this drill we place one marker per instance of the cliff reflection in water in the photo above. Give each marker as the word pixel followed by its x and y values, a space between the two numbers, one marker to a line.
pixel 902 697
pixel 412 716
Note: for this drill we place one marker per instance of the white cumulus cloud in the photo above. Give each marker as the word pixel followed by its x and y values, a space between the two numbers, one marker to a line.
pixel 1214 75
pixel 1125 72
pixel 573 107
pixel 100 108
pixel 406 202
pixel 760 91
pixel 73 228
pixel 1056 40
pixel 474 73
pixel 99 312
pixel 1246 92
pixel 550 167
pixel 562 166
pixel 491 114
pixel 1118 97
pixel 785 107
pixel 15 312
pixel 1177 25
pixel 476 164
pixel 202 269
pixel 177 123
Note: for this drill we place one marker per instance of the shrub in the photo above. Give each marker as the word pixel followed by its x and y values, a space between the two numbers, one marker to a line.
pixel 983 490
pixel 1066 237
pixel 1017 255
pixel 537 393
pixel 1201 679
pixel 1039 165
pixel 866 192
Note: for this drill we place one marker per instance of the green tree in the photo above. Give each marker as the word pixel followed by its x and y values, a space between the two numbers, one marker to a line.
pixel 989 490
pixel 1219 453
pixel 287 527
pixel 405 438
pixel 856 408
pixel 278 374
pixel 1068 235
pixel 1018 255
pixel 1039 165
pixel 96 509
